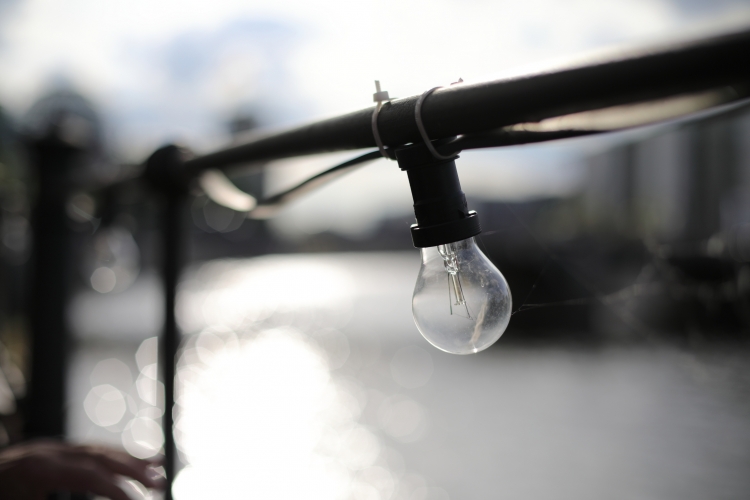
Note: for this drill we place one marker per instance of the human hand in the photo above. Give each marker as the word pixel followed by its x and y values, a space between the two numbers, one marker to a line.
pixel 30 471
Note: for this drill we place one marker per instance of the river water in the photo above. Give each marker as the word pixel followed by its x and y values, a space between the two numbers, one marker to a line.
pixel 303 376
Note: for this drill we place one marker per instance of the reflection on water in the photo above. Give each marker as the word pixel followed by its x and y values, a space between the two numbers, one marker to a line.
pixel 334 394
pixel 262 415
pixel 411 367
pixel 106 402
pixel 256 405
pixel 266 405
pixel 267 290
pixel 129 410
pixel 105 405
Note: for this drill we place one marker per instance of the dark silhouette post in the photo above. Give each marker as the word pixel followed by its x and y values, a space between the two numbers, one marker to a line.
pixel 53 159
pixel 62 135
pixel 165 172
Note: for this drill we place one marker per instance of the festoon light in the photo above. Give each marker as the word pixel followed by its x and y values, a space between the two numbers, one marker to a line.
pixel 461 302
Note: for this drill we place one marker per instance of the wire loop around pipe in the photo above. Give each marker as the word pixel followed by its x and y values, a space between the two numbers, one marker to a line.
pixel 379 97
pixel 376 133
pixel 420 125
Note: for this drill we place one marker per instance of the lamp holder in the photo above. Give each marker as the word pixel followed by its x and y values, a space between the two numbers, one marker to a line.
pixel 439 204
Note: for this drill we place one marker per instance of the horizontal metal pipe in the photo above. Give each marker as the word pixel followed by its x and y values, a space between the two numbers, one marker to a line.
pixel 468 108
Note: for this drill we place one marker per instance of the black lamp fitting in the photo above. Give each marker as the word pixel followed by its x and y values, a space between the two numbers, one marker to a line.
pixel 439 204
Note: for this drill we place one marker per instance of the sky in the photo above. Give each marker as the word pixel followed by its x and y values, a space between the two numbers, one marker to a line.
pixel 178 70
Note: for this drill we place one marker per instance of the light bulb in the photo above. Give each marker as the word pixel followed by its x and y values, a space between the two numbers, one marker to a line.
pixel 461 302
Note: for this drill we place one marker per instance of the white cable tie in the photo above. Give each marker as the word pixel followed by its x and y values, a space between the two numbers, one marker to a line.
pixel 420 124
pixel 379 97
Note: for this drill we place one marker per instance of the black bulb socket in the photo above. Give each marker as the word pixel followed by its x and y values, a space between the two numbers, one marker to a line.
pixel 439 204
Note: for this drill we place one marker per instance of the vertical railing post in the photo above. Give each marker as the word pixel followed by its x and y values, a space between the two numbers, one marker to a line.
pixel 172 258
pixel 53 160
pixel 166 173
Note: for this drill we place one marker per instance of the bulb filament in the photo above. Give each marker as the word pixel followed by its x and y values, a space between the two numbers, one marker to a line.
pixel 456 298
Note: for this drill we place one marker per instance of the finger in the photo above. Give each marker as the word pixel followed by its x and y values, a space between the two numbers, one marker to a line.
pixel 86 476
pixel 156 461
pixel 119 462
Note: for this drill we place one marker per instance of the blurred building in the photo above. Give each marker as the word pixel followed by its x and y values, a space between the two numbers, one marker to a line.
pixel 684 193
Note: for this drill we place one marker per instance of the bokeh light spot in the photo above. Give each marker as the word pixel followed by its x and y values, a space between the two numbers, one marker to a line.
pixel 103 280
pixel 411 367
pixel 105 405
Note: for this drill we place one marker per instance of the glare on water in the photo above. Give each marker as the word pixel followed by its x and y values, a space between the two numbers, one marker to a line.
pixel 262 411
pixel 303 376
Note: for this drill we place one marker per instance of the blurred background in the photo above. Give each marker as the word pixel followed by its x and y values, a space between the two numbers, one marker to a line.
pixel 300 372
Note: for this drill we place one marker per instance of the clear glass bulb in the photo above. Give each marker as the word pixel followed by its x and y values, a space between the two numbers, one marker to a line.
pixel 461 302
